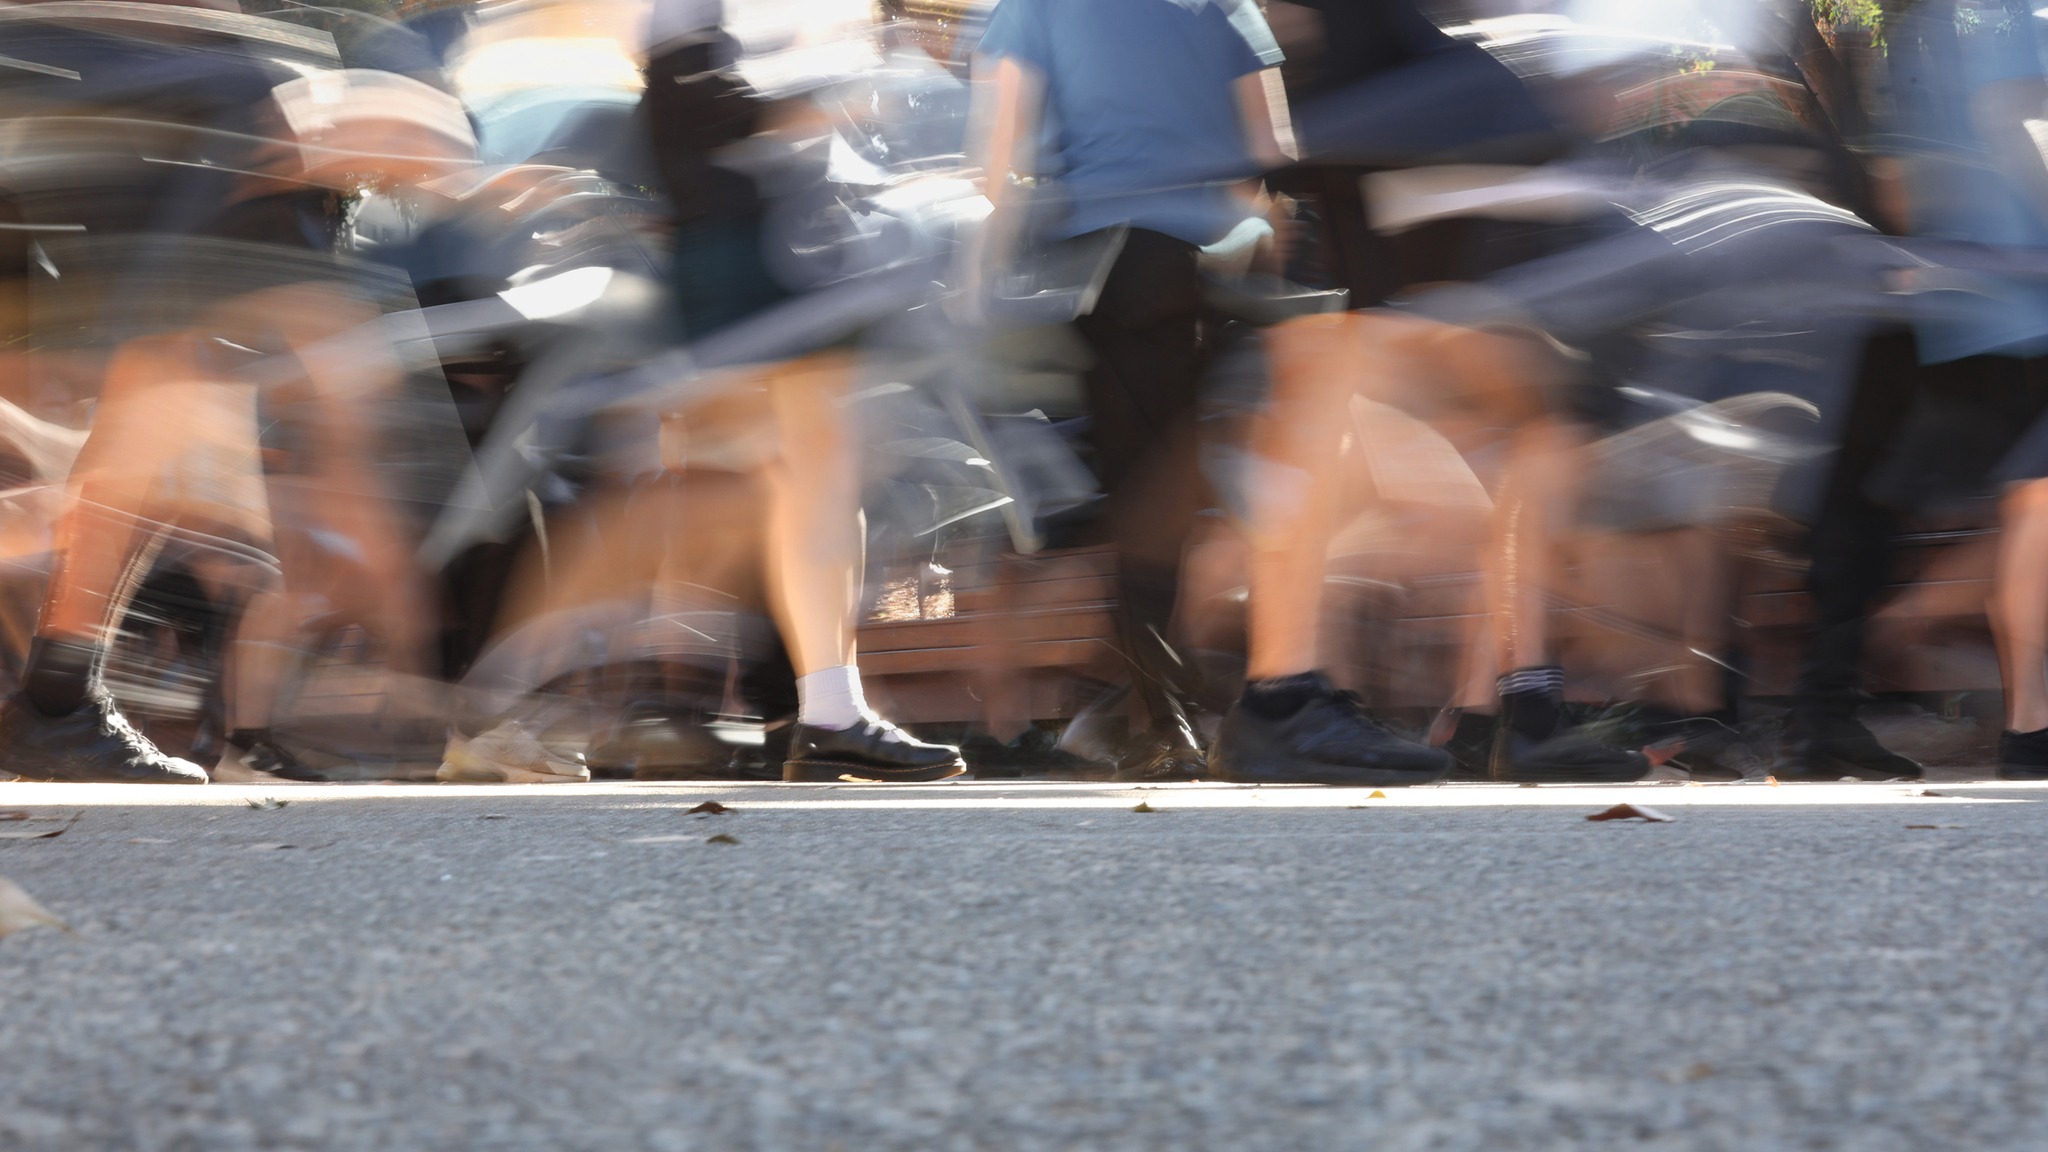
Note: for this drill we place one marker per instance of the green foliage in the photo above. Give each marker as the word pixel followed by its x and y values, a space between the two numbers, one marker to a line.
pixel 1837 16
pixel 1849 13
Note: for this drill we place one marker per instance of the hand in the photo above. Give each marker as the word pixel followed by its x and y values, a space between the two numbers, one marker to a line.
pixel 1275 252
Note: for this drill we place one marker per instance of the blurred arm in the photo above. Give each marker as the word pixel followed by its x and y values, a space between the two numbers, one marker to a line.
pixel 1269 139
pixel 1268 129
pixel 1009 107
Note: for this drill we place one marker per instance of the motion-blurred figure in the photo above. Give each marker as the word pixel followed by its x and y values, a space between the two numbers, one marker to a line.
pixel 704 123
pixel 193 173
pixel 1139 124
pixel 1967 166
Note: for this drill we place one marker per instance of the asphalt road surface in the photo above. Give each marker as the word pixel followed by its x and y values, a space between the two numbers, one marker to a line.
pixel 1026 966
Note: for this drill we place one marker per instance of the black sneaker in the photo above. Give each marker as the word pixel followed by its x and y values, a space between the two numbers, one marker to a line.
pixel 1329 740
pixel 2023 755
pixel 1827 748
pixel 94 745
pixel 872 750
pixel 1534 743
pixel 1572 756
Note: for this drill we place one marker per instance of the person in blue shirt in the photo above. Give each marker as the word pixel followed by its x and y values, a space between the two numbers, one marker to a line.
pixel 1147 122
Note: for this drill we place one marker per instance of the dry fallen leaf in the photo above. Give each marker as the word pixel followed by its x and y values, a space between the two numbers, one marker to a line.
pixel 1144 807
pixel 721 838
pixel 1771 780
pixel 19 910
pixel 267 804
pixel 708 808
pixel 47 834
pixel 1633 812
pixel 1929 792
pixel 1376 794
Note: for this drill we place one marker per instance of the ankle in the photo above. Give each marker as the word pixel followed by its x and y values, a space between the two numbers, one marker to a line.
pixel 1278 697
pixel 831 698
pixel 60 675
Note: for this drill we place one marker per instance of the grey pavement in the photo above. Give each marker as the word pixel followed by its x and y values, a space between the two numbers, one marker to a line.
pixel 1027 966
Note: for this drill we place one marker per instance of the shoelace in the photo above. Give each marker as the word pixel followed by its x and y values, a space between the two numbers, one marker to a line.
pixel 118 725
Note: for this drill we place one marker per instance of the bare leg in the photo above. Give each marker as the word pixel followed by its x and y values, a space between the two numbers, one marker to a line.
pixel 815 537
pixel 139 427
pixel 1540 478
pixel 2019 606
pixel 1315 362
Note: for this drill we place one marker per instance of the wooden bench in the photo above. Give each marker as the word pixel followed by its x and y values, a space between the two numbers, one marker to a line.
pixel 1029 638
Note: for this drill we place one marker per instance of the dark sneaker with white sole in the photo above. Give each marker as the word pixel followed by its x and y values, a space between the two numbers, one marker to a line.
pixel 93 745
pixel 871 750
pixel 1328 739
pixel 2023 755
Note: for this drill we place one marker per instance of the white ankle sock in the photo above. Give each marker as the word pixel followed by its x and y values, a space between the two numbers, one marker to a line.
pixel 830 698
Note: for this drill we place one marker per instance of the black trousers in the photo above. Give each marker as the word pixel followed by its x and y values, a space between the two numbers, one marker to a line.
pixel 1147 336
pixel 1914 434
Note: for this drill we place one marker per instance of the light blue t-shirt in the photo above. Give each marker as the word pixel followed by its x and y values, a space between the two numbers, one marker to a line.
pixel 1956 190
pixel 1143 126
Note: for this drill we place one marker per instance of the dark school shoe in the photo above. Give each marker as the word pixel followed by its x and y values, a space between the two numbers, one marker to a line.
pixel 1829 748
pixel 2023 755
pixel 871 750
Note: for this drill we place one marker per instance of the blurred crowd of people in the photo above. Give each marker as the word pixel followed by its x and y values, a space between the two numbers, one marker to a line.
pixel 540 389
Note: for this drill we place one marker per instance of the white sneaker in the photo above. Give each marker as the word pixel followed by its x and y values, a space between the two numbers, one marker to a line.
pixel 507 754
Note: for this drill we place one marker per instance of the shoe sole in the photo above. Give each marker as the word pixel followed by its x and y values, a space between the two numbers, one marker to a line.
pixel 99 778
pixel 1281 770
pixel 847 772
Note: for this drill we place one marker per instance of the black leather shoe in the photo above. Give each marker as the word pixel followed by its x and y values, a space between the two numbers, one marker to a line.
pixel 1162 754
pixel 2023 755
pixel 94 745
pixel 1328 740
pixel 1832 747
pixel 872 750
